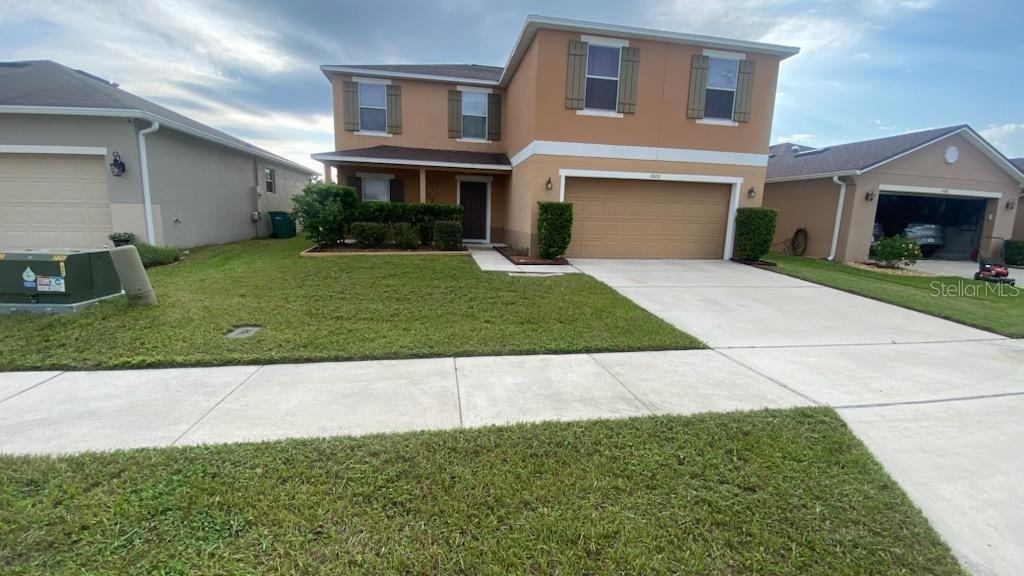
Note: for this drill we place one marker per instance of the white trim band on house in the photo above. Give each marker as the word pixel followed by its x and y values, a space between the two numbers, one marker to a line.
pixel 734 196
pixel 928 191
pixel 427 163
pixel 34 149
pixel 550 148
pixel 411 75
pixel 150 117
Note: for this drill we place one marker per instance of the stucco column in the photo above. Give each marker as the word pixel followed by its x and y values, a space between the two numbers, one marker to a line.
pixel 327 173
pixel 423 185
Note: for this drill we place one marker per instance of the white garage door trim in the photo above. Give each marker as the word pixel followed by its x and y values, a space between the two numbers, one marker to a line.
pixel 35 149
pixel 929 191
pixel 734 196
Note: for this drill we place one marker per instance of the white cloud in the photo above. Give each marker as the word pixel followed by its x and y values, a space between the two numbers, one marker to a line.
pixel 798 138
pixel 1009 138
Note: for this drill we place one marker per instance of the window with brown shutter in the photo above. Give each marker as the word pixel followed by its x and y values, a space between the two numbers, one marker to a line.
pixel 494 117
pixel 350 105
pixel 744 91
pixel 454 114
pixel 576 75
pixel 394 109
pixel 698 86
pixel 629 71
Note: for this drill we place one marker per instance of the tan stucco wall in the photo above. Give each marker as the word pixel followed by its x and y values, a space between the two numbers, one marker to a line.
pixel 529 178
pixel 520 106
pixel 809 204
pixel 1018 227
pixel 927 168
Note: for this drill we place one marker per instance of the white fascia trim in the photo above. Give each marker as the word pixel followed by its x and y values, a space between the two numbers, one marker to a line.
pixel 724 55
pixel 778 179
pixel 551 148
pixel 599 113
pixel 363 160
pixel 604 41
pixel 464 88
pixel 37 149
pixel 150 117
pixel 411 75
pixel 734 196
pixel 929 191
pixel 717 122
pixel 368 80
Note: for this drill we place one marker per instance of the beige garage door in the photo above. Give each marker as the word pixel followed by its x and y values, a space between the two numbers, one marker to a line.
pixel 50 200
pixel 647 219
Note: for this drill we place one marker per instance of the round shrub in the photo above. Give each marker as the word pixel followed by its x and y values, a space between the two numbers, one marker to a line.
pixel 554 228
pixel 369 234
pixel 755 228
pixel 325 211
pixel 895 251
pixel 447 235
pixel 1014 252
pixel 405 236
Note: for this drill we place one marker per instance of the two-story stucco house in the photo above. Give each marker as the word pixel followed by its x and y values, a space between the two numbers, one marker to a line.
pixel 655 137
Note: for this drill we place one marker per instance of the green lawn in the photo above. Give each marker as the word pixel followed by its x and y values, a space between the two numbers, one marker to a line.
pixel 770 492
pixel 999 309
pixel 342 308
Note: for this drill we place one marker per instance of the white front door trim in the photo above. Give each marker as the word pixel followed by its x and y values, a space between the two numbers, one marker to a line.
pixel 458 200
pixel 929 191
pixel 620 152
pixel 734 197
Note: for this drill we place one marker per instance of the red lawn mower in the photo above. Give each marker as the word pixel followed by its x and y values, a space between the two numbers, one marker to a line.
pixel 992 267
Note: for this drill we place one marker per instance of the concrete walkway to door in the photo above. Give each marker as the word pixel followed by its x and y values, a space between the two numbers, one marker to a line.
pixel 941 405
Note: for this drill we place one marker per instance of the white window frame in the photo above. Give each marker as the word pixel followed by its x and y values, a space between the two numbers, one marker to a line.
pixel 364 176
pixel 360 81
pixel 723 55
pixel 487 119
pixel 269 176
pixel 606 43
pixel 458 200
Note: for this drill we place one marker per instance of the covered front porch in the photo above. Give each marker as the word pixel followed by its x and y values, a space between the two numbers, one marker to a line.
pixel 476 181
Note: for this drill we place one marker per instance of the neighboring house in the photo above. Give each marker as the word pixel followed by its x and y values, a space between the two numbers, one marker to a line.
pixel 949 177
pixel 655 137
pixel 60 130
pixel 1018 228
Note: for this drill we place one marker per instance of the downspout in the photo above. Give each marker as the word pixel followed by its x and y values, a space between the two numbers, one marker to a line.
pixel 839 217
pixel 147 197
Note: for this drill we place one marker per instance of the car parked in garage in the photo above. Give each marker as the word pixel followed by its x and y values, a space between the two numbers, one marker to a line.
pixel 929 237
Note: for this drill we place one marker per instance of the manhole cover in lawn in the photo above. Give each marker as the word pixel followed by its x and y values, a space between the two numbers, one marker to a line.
pixel 242 332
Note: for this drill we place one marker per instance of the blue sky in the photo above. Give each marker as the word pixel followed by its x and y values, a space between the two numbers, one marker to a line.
pixel 869 68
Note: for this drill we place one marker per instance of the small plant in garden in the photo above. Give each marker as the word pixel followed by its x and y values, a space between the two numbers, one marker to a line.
pixel 1014 252
pixel 122 238
pixel 405 236
pixel 755 228
pixel 369 234
pixel 325 211
pixel 153 256
pixel 447 235
pixel 554 228
pixel 894 251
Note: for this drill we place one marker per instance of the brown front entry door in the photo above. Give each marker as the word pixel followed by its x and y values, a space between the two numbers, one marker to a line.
pixel 473 197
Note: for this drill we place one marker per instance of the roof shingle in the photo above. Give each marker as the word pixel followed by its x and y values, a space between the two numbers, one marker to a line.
pixel 423 156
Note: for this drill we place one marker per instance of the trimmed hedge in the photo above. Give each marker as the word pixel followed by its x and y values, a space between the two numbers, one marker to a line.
pixel 1015 252
pixel 421 216
pixel 447 234
pixel 325 211
pixel 369 234
pixel 153 256
pixel 405 236
pixel 554 228
pixel 755 228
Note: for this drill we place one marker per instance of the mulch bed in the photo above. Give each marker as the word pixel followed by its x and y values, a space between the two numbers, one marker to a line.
pixel 524 260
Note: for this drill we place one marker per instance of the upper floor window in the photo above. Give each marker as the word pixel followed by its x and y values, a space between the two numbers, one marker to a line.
pixel 602 77
pixel 268 180
pixel 373 114
pixel 720 96
pixel 474 115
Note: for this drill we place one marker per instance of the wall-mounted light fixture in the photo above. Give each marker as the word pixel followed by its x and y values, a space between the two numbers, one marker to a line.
pixel 117 166
pixel 1011 204
pixel 869 195
pixel 548 185
pixel 752 192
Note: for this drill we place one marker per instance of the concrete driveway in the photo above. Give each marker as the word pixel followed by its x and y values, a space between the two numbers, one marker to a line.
pixel 941 405
pixel 956 268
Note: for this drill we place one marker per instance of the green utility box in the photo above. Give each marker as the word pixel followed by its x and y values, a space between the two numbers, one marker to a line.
pixel 282 224
pixel 57 280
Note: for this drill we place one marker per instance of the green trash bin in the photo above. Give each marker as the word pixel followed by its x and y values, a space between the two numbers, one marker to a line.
pixel 282 224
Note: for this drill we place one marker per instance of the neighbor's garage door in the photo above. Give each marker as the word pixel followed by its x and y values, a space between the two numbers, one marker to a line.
pixel 49 200
pixel 647 219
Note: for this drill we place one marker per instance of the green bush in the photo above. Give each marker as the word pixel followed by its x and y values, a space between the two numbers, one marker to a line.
pixel 1014 252
pixel 447 234
pixel 554 228
pixel 122 238
pixel 895 251
pixel 405 236
pixel 755 228
pixel 153 256
pixel 421 216
pixel 325 211
pixel 369 234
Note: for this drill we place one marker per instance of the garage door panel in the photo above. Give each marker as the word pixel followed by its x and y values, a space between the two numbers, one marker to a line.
pixel 641 219
pixel 53 201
